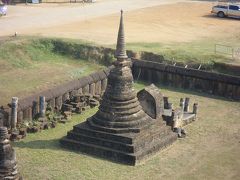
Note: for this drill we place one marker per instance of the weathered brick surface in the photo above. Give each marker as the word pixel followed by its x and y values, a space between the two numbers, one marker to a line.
pixel 187 78
pixel 28 106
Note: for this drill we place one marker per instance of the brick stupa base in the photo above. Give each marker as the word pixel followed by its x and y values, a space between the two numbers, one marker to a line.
pixel 127 148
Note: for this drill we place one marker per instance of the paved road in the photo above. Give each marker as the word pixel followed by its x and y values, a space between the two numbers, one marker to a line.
pixel 20 18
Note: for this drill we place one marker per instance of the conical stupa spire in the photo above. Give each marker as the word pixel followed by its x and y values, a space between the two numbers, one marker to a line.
pixel 120 49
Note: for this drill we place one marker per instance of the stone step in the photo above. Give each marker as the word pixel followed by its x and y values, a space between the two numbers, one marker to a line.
pixel 108 141
pixel 138 122
pixel 127 148
pixel 112 130
pixel 120 103
pixel 108 117
pixel 84 129
pixel 131 158
pixel 118 107
pixel 154 131
pixel 120 112
pixel 99 151
pixel 126 130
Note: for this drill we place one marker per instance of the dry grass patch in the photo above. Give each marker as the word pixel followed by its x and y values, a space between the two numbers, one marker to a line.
pixel 28 66
pixel 210 151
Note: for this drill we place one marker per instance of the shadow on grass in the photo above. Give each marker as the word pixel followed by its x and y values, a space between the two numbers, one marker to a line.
pixel 53 144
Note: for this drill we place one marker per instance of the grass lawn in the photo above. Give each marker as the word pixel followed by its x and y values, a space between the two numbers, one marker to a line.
pixel 210 150
pixel 27 66
pixel 200 51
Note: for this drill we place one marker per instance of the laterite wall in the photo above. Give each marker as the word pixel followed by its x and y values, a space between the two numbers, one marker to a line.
pixel 187 78
pixel 94 84
pixel 153 72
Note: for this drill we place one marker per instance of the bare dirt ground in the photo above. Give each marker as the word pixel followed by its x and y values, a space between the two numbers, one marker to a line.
pixel 146 21
pixel 29 18
pixel 180 22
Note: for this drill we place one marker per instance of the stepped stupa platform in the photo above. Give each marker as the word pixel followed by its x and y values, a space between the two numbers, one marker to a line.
pixel 120 131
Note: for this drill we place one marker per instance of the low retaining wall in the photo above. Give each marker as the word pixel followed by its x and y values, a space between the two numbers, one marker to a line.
pixel 227 68
pixel 158 73
pixel 187 78
pixel 28 107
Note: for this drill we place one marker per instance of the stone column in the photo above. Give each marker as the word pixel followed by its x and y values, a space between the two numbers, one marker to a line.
pixel 29 114
pixel 98 90
pixel 149 76
pixel 59 103
pixel 85 89
pixel 165 101
pixel 168 111
pixel 20 116
pixel 229 91
pixel 52 103
pixel 14 112
pixel 42 107
pixel 186 104
pixel 195 108
pixel 34 109
pixel 25 114
pixel 104 84
pixel 182 104
pixel 92 88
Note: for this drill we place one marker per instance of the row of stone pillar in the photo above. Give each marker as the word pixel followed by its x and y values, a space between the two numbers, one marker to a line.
pixel 188 82
pixel 14 110
pixel 39 107
pixel 184 105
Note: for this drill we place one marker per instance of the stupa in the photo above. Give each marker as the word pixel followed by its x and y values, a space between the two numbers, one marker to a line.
pixel 120 131
pixel 8 164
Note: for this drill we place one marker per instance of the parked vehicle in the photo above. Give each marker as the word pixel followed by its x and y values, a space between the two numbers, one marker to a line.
pixel 3 10
pixel 222 11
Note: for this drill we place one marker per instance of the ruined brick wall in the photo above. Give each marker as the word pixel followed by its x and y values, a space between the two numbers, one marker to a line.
pixel 155 70
pixel 94 84
pixel 228 68
pixel 187 78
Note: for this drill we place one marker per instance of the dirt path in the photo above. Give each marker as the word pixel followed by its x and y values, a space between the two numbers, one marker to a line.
pixel 189 21
pixel 145 21
pixel 25 18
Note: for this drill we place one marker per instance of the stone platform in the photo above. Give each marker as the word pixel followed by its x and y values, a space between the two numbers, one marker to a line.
pixel 127 148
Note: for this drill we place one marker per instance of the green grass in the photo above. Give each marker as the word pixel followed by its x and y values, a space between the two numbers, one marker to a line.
pixel 201 51
pixel 210 151
pixel 28 64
